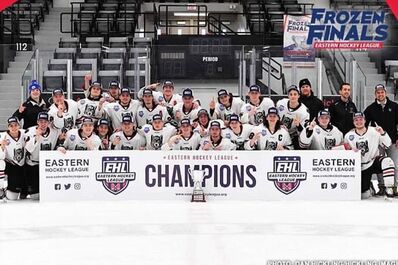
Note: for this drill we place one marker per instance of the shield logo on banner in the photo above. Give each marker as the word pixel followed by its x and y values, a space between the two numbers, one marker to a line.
pixel 287 174
pixel 115 175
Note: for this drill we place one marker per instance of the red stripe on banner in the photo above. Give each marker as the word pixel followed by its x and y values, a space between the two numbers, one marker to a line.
pixel 393 4
pixel 6 3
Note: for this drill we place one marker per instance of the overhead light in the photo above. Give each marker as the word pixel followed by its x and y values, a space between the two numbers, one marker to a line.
pixel 202 23
pixel 179 31
pixel 203 31
pixel 189 14
pixel 159 31
pixel 181 22
pixel 226 22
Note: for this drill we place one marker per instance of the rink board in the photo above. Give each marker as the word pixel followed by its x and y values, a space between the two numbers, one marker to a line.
pixel 158 175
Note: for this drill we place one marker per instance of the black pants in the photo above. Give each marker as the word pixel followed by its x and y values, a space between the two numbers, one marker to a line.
pixel 366 175
pixel 32 178
pixel 16 177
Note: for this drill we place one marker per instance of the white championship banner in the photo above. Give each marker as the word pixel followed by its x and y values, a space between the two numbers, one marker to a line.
pixel 238 175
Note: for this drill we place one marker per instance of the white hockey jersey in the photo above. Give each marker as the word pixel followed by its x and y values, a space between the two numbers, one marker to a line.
pixel 368 144
pixel 144 115
pixel 15 148
pixel 70 115
pixel 223 113
pixel 191 143
pixel 133 142
pixel 206 129
pixel 190 114
pixel 115 112
pixel 47 141
pixel 261 112
pixel 268 140
pixel 90 108
pixel 223 144
pixel 159 98
pixel 321 139
pixel 238 139
pixel 74 141
pixel 155 139
pixel 287 115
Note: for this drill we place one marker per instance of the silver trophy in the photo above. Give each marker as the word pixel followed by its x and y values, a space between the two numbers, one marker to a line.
pixel 198 194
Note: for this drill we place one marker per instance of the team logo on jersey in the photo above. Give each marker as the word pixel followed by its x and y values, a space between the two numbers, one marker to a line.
pixel 363 146
pixel 89 110
pixel 146 130
pixel 156 141
pixel 281 108
pixel 259 117
pixel 18 154
pixel 351 137
pixel 317 130
pixel 221 107
pixel 115 175
pixel 228 135
pixel 263 132
pixel 8 141
pixel 126 147
pixel 287 174
pixel 160 98
pixel 329 143
pixel 82 102
pixel 46 146
pixel 248 108
pixel 116 108
pixel 287 122
pixel 270 145
pixel 80 148
pixel 141 113
pixel 72 137
pixel 68 123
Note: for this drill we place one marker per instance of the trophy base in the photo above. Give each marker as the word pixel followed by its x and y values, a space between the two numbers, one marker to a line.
pixel 198 197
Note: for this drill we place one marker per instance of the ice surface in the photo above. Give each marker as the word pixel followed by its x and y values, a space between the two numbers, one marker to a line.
pixel 156 232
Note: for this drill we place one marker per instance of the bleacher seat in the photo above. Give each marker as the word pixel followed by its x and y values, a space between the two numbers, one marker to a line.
pixel 86 65
pixel 112 64
pixel 106 76
pixel 115 53
pixel 69 42
pixel 90 53
pixel 58 64
pixel 65 53
pixel 94 42
pixel 78 80
pixel 131 79
pixel 53 80
pixel 118 42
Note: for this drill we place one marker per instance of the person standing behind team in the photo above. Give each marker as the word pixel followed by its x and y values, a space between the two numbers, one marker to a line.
pixel 342 110
pixel 321 135
pixel 35 104
pixel 384 113
pixel 307 97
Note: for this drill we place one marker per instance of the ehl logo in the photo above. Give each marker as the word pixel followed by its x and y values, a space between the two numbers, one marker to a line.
pixel 287 175
pixel 115 175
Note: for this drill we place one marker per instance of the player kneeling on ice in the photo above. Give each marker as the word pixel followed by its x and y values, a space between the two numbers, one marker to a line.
pixel 81 139
pixel 186 140
pixel 128 138
pixel 215 141
pixel 322 135
pixel 368 140
pixel 43 137
pixel 237 132
pixel 13 145
pixel 270 135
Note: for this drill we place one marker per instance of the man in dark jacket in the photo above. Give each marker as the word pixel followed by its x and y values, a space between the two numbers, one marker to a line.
pixel 307 97
pixel 384 113
pixel 29 109
pixel 342 111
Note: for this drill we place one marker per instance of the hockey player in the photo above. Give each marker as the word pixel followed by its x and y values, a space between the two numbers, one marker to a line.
pixel 92 106
pixel 254 112
pixel 215 141
pixel 225 106
pixel 128 138
pixel 113 89
pixel 188 109
pixel 368 140
pixel 166 98
pixel 13 145
pixel 271 135
pixel 185 140
pixel 38 138
pixel 148 108
pixel 2 169
pixel 321 136
pixel 63 112
pixel 237 132
pixel 103 131
pixel 384 112
pixel 125 106
pixel 81 139
pixel 157 134
pixel 294 115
